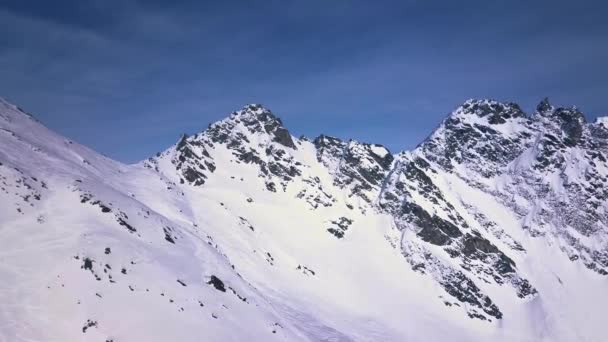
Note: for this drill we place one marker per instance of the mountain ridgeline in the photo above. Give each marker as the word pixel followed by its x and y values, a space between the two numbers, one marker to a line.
pixel 496 225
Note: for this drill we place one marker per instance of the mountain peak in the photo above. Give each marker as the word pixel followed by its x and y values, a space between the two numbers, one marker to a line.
pixel 256 112
pixel 482 134
pixel 544 106
pixel 495 111
pixel 252 134
pixel 258 119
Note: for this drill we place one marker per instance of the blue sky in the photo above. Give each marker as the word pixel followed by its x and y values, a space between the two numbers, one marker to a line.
pixel 127 77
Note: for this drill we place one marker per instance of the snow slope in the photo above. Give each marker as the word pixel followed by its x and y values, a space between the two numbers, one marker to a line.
pixel 245 232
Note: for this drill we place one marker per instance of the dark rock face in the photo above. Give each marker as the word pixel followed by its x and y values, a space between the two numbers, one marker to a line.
pixel 476 244
pixel 340 226
pixel 169 235
pixel 544 106
pixel 496 112
pixel 433 229
pixel 475 247
pixel 217 283
pixel 282 136
pixel 192 161
pixel 472 136
pixel 599 133
pixel 87 264
pixel 358 166
pixel 464 289
pixel 259 119
pixel 572 122
pixel 124 223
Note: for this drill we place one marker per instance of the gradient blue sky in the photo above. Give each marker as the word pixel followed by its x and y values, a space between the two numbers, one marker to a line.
pixel 127 77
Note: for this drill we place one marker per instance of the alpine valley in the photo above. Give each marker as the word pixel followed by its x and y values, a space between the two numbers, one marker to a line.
pixel 495 228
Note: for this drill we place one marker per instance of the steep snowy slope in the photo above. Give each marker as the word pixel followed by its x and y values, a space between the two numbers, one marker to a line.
pixel 494 228
pixel 493 197
pixel 83 258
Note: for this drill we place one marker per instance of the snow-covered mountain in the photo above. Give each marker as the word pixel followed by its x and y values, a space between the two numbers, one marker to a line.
pixel 493 228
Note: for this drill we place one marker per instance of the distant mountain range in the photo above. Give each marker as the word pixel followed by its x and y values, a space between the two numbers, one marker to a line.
pixel 495 228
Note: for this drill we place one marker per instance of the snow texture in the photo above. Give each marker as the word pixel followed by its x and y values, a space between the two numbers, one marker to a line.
pixel 492 229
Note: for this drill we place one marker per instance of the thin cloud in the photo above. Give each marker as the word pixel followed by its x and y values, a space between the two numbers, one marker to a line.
pixel 337 68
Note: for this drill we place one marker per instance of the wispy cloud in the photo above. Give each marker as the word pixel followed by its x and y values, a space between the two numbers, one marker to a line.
pixel 349 68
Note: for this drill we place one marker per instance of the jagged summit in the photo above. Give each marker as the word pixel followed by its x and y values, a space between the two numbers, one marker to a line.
pixel 252 135
pixel 258 119
pixel 496 112
pixel 544 106
pixel 480 135
pixel 257 111
pixel 486 135
pixel 570 119
pixel 566 122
